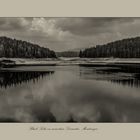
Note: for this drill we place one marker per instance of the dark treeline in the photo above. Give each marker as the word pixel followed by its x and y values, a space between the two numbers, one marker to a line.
pixel 12 48
pixel 67 54
pixel 126 48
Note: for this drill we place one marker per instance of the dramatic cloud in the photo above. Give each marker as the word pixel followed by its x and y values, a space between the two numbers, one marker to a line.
pixel 69 33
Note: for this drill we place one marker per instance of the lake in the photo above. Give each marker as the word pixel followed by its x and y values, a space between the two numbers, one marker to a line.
pixel 70 94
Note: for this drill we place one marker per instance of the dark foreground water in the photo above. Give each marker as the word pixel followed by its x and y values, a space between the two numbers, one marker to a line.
pixel 70 94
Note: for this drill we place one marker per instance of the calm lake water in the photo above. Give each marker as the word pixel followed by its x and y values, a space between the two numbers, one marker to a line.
pixel 70 94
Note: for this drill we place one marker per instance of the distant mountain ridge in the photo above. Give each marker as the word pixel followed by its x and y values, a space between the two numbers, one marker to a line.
pixel 125 48
pixel 76 49
pixel 67 54
pixel 13 48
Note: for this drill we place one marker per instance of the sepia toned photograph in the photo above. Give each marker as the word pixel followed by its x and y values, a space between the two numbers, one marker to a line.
pixel 69 69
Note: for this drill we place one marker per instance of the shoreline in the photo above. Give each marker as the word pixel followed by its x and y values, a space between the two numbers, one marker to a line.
pixel 15 62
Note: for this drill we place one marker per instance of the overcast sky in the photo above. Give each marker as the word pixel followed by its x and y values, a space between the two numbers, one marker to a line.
pixel 69 33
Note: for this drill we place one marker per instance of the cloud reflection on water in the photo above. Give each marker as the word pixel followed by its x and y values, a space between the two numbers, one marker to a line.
pixel 64 96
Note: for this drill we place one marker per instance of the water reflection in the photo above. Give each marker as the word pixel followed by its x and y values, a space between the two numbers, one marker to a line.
pixel 128 82
pixel 11 78
pixel 125 75
pixel 70 94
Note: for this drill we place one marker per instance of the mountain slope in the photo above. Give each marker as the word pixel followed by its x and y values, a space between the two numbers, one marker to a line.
pixel 12 48
pixel 126 48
